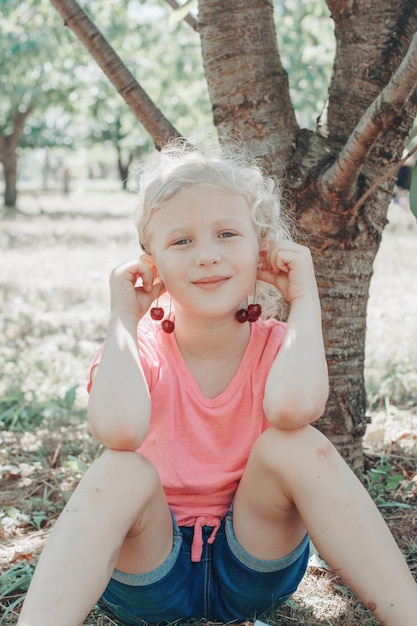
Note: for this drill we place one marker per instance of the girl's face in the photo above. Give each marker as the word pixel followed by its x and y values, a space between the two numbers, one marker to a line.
pixel 206 251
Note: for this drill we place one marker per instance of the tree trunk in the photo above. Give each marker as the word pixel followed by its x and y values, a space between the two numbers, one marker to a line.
pixel 343 252
pixel 8 156
pixel 10 180
pixel 247 84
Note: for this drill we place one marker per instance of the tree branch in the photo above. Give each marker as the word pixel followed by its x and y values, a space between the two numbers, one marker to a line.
pixel 190 19
pixel 146 111
pixel 379 182
pixel 385 113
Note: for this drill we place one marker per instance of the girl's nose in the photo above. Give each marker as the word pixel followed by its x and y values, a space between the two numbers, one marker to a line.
pixel 208 254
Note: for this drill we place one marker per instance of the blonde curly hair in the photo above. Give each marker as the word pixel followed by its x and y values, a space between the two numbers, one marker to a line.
pixel 179 166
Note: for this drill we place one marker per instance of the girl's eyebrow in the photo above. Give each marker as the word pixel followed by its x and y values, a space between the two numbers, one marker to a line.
pixel 175 232
pixel 222 223
pixel 229 221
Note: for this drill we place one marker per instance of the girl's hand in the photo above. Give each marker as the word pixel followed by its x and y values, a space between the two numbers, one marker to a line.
pixel 289 267
pixel 133 288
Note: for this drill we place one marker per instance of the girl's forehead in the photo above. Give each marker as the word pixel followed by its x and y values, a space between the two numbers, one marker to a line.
pixel 204 189
pixel 207 197
pixel 203 205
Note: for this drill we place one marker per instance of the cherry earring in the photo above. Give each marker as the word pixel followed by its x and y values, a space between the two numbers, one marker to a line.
pixel 254 312
pixel 242 315
pixel 251 314
pixel 157 313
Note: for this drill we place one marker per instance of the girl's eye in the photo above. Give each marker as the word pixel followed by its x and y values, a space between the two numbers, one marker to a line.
pixel 226 234
pixel 181 242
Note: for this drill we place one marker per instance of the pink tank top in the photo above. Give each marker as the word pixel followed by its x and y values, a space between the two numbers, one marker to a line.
pixel 200 446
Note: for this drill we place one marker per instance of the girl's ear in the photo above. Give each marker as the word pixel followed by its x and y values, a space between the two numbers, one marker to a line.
pixel 264 246
pixel 148 260
pixel 261 258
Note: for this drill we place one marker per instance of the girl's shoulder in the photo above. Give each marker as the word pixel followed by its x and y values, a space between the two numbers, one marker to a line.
pixel 266 339
pixel 271 328
pixel 149 333
pixel 154 344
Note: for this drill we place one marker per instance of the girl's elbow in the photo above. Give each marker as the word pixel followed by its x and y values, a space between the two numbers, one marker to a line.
pixel 121 440
pixel 122 444
pixel 295 414
pixel 116 435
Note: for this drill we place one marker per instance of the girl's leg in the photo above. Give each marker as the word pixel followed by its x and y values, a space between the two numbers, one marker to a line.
pixel 295 480
pixel 117 516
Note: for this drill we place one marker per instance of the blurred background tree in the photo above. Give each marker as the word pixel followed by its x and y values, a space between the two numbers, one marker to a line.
pixel 54 98
pixel 40 68
pixel 52 95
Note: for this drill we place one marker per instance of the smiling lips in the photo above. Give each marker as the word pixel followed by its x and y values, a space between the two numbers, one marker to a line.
pixel 211 282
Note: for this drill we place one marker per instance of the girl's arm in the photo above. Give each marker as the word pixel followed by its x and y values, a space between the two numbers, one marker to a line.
pixel 119 404
pixel 297 385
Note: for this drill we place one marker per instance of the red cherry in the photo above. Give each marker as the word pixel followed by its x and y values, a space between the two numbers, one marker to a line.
pixel 157 313
pixel 241 316
pixel 254 312
pixel 168 326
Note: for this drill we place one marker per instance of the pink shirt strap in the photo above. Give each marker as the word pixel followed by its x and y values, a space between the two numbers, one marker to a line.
pixel 197 545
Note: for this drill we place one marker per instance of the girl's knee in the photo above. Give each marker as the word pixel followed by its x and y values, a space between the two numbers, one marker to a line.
pixel 288 448
pixel 125 461
pixel 127 471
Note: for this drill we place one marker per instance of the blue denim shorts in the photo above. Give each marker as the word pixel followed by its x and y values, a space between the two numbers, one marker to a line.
pixel 228 584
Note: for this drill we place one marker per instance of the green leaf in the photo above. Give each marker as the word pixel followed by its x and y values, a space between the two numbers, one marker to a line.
pixel 393 482
pixel 395 505
pixel 11 606
pixel 18 577
pixel 69 398
pixel 37 518
pixel 181 13
pixel 75 464
pixel 413 191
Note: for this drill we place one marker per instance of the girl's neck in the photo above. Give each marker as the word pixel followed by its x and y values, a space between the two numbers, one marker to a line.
pixel 211 339
pixel 212 352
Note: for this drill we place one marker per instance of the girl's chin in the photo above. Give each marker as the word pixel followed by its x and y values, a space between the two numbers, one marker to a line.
pixel 209 317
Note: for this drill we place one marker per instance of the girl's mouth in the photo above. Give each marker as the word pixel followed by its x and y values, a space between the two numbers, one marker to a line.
pixel 211 282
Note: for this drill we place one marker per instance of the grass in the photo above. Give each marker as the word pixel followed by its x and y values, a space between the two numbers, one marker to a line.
pixel 56 257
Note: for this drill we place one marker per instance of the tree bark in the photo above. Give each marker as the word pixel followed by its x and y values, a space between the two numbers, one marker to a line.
pixel 247 84
pixel 371 41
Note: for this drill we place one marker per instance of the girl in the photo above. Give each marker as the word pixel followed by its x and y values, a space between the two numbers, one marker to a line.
pixel 214 480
